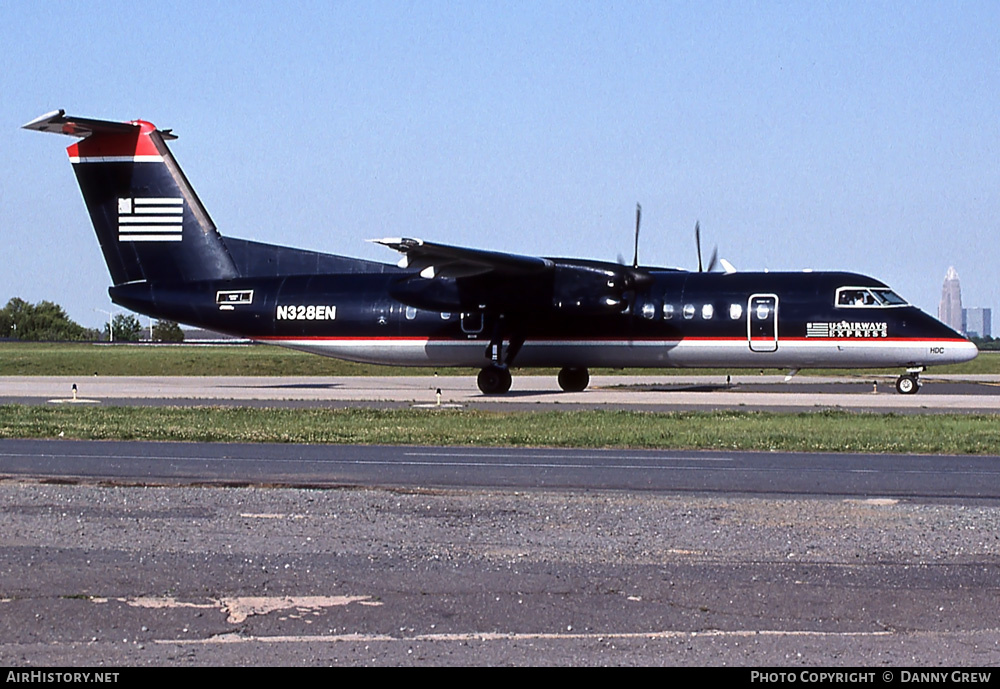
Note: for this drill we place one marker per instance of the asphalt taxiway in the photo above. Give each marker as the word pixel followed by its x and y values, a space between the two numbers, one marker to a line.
pixel 969 479
pixel 938 394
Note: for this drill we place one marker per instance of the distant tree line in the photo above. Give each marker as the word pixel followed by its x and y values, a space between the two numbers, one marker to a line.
pixel 48 322
pixel 987 344
pixel 123 328
pixel 42 321
pixel 167 331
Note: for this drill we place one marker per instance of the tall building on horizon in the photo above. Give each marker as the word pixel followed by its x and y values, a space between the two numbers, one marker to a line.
pixel 978 321
pixel 950 308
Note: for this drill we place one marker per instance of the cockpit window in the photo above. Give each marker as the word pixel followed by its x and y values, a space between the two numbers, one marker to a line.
pixel 868 297
pixel 888 297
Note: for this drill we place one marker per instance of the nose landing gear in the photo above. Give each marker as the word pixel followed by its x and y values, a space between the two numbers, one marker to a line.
pixel 909 383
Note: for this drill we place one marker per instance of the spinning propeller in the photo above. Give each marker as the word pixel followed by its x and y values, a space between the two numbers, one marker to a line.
pixel 634 276
pixel 640 276
pixel 638 218
pixel 714 261
pixel 715 251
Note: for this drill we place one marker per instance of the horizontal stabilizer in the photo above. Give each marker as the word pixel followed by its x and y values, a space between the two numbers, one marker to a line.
pixel 56 122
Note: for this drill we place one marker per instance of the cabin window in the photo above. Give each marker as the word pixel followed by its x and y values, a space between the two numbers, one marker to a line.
pixel 689 311
pixel 868 297
pixel 648 311
pixel 411 313
pixel 668 311
pixel 735 311
pixel 707 311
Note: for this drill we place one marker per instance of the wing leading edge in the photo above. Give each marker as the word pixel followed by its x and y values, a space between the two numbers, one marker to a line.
pixel 445 261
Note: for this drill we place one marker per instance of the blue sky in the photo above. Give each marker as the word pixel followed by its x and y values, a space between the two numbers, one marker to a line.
pixel 846 135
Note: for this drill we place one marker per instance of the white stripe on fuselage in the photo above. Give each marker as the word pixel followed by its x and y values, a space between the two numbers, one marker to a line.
pixel 116 159
pixel 832 353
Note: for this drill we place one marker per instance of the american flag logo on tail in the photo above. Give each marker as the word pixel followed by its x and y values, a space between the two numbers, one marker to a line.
pixel 150 219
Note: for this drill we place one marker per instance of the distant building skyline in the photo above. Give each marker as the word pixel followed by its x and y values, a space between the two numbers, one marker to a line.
pixel 978 321
pixel 975 321
pixel 950 308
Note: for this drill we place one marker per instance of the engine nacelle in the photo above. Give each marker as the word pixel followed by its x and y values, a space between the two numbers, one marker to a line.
pixel 589 290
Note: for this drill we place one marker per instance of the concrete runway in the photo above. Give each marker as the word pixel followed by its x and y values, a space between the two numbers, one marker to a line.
pixel 939 393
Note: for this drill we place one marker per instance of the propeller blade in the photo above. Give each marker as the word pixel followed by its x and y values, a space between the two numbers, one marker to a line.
pixel 712 261
pixel 697 244
pixel 638 218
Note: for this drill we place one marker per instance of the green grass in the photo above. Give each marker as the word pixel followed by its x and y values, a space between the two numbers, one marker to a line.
pixel 822 431
pixel 63 359
pixel 58 359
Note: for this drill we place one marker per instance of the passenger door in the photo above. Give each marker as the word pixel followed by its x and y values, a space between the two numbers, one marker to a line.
pixel 762 322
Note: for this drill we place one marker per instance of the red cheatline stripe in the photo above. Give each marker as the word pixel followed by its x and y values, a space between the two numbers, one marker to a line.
pixel 652 340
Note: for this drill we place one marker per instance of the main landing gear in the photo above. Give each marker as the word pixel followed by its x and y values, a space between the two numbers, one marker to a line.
pixel 574 379
pixel 909 383
pixel 495 379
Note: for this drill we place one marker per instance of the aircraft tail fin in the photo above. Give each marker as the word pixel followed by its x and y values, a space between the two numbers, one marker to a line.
pixel 149 221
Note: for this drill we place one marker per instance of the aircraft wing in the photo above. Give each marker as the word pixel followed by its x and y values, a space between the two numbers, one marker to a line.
pixel 444 261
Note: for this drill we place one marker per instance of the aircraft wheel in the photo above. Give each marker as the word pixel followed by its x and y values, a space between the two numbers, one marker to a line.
pixel 907 385
pixel 493 380
pixel 574 379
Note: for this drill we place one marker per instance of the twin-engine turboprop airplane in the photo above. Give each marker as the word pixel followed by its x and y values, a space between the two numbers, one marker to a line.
pixel 451 306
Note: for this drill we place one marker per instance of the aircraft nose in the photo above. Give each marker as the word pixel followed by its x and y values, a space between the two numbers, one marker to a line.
pixel 959 352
